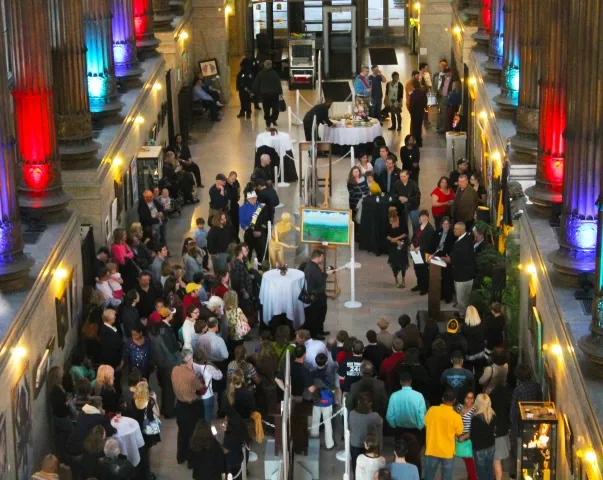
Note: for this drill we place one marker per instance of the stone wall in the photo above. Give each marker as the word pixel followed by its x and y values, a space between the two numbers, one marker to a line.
pixel 436 19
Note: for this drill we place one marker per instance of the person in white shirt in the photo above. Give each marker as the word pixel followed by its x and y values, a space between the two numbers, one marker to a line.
pixel 189 336
pixel 369 462
pixel 208 371
pixel 102 285
pixel 313 348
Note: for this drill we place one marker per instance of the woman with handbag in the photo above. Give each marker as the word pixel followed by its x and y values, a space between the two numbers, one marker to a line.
pixel 464 447
pixel 142 409
pixel 394 91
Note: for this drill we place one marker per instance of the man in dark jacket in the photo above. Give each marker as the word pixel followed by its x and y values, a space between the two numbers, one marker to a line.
pixel 268 84
pixel 462 261
pixel 321 112
pixel 256 233
pixel 389 176
pixel 91 415
pixel 150 214
pixel 115 465
pixel 316 285
pixel 408 194
pixel 421 240
pixel 268 196
pixel 462 168
pixel 368 383
pixel 465 203
pixel 264 171
pixel 244 86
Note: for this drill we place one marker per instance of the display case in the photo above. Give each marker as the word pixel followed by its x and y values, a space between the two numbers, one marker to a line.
pixel 149 167
pixel 538 433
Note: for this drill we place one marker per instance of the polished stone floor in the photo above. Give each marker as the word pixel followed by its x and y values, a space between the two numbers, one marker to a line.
pixel 230 145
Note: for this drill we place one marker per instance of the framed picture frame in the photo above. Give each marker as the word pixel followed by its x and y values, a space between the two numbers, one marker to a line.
pixel 108 229
pixel 62 315
pixel 22 425
pixel 326 226
pixel 570 453
pixel 209 68
pixel 4 466
pixel 43 366
pixel 72 287
pixel 134 176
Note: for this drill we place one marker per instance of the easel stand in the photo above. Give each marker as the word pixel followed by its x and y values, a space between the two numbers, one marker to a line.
pixel 332 289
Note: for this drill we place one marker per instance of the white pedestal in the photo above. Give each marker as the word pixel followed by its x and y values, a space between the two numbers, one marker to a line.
pixel 459 141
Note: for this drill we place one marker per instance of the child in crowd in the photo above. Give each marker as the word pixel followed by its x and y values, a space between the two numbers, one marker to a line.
pixel 155 317
pixel 115 281
pixel 201 239
pixel 323 403
pixel 165 200
pixel 369 462
pixel 102 285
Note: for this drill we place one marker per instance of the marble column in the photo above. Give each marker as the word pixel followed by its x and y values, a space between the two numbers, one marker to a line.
pixel 124 41
pixel 102 84
pixel 77 149
pixel 14 265
pixel 482 36
pixel 553 108
pixel 525 142
pixel 40 185
pixel 493 66
pixel 163 15
pixel 509 77
pixel 177 7
pixel 584 144
pixel 472 12
pixel 143 27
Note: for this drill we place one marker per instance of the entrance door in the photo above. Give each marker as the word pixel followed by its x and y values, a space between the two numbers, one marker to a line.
pixel 386 22
pixel 339 30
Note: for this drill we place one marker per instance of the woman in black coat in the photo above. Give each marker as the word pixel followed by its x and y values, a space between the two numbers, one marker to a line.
pixel 418 104
pixel 410 155
pixel 183 154
pixel 475 332
pixel 207 457
pixel 441 246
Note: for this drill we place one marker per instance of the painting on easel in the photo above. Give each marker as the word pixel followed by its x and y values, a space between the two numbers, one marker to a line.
pixel 319 225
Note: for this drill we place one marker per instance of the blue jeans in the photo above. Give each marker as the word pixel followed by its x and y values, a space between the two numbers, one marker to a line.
pixel 375 111
pixel 484 463
pixel 208 408
pixel 432 464
pixel 414 220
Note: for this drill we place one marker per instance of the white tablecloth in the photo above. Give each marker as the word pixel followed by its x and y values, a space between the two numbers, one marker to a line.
pixel 349 135
pixel 281 142
pixel 129 437
pixel 279 294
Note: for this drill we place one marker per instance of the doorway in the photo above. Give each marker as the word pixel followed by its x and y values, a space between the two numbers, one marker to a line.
pixel 339 42
pixel 386 22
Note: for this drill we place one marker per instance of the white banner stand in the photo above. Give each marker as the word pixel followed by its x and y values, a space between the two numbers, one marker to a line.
pixel 345 455
pixel 276 185
pixel 352 265
pixel 282 183
pixel 352 157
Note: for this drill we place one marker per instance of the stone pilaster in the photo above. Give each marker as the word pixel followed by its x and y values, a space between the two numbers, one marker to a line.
pixel 509 77
pixel 525 143
pixel 482 36
pixel 102 84
pixel 493 66
pixel 77 149
pixel 125 53
pixel 553 107
pixel 163 15
pixel 584 145
pixel 144 28
pixel 14 265
pixel 472 12
pixel 40 185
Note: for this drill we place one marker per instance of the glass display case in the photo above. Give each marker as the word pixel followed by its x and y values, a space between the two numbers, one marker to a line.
pixel 538 433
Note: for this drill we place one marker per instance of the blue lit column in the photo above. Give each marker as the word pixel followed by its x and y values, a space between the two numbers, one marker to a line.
pixel 124 41
pixel 102 85
pixel 509 79
pixel 493 66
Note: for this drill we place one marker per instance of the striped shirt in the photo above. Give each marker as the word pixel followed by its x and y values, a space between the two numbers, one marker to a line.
pixel 466 418
pixel 186 383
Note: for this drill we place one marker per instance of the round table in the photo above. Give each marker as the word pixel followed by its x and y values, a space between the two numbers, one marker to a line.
pixel 283 146
pixel 350 135
pixel 279 295
pixel 129 437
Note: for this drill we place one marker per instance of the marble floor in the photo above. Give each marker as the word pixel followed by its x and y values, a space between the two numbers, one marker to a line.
pixel 230 145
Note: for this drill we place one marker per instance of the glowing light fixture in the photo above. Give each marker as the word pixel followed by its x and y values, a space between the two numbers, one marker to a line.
pixel 495 156
pixel 117 162
pixel 531 269
pixel 139 120
pixel 184 35
pixel 483 115
pixel 457 30
pixel 472 80
pixel 60 273
pixel 157 86
pixel 556 349
pixel 417 6
pixel 228 10
pixel 19 352
pixel 590 456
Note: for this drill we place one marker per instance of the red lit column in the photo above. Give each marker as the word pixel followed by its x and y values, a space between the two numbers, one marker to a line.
pixel 14 265
pixel 583 141
pixel 143 26
pixel 40 185
pixel 493 66
pixel 525 142
pixel 553 108
pixel 163 15
pixel 72 108
pixel 482 36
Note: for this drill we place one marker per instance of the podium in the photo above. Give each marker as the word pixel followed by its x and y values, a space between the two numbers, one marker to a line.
pixel 435 291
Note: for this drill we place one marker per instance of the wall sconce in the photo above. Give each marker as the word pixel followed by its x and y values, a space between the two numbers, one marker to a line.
pixel 457 30
pixel 19 352
pixel 228 10
pixel 531 269
pixel 483 115
pixel 157 86
pixel 591 457
pixel 116 162
pixel 60 273
pixel 139 120
pixel 556 350
pixel 472 81
pixel 417 6
pixel 183 35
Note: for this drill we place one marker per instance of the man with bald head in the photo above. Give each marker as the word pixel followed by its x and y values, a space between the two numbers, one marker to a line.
pixel 264 170
pixel 462 262
pixel 150 214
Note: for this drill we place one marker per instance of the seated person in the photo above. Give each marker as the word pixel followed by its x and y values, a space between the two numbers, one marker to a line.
pixel 201 95
pixel 177 180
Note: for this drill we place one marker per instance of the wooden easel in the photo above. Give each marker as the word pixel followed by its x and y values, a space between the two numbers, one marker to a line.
pixel 321 182
pixel 332 289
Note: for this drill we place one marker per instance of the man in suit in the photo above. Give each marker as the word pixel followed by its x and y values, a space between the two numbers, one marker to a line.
pixel 150 214
pixel 462 261
pixel 111 346
pixel 421 240
pixel 389 176
pixel 407 192
pixel 465 203
pixel 321 112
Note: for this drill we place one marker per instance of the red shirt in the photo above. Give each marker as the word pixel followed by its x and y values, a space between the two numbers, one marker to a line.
pixel 390 363
pixel 153 318
pixel 220 291
pixel 442 197
pixel 189 300
pixel 340 358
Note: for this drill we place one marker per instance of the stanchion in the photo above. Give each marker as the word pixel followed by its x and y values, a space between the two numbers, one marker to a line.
pixel 282 183
pixel 352 157
pixel 276 184
pixel 319 76
pixel 345 454
pixel 353 266
pixel 297 95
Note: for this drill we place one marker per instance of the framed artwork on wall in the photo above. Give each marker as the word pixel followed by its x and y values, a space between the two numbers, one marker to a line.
pixel 43 366
pixel 549 378
pixel 73 297
pixel 3 448
pixel 209 68
pixel 570 453
pixel 134 177
pixel 62 312
pixel 108 229
pixel 22 425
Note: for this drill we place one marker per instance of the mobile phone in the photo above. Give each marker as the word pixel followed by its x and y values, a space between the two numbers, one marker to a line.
pixel 213 430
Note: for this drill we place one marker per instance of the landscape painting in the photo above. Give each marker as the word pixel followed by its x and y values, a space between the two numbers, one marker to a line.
pixel 325 226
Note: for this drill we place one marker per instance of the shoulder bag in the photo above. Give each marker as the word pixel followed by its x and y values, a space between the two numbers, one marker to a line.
pixel 150 427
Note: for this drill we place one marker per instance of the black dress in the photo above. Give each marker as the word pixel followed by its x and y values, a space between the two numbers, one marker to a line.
pixel 398 255
pixel 208 464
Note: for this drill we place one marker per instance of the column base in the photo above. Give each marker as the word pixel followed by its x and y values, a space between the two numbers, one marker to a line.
pixel 177 7
pixel 128 72
pixel 493 68
pixel 79 156
pixel 147 45
pixel 108 109
pixel 482 39
pixel 14 274
pixel 525 148
pixel 592 347
pixel 542 198
pixel 507 104
pixel 572 262
pixel 50 207
pixel 472 15
pixel 162 21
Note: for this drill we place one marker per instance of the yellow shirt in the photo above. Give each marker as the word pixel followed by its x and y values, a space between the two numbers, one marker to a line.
pixel 443 425
pixel 374 188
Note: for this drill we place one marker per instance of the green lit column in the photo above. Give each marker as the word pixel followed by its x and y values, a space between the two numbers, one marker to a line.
pixel 509 77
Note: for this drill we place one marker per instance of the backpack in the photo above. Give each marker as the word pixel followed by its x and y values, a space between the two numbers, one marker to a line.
pixel 326 397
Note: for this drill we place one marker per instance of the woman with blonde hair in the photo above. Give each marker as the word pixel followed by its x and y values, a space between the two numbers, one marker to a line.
pixel 483 427
pixel 104 388
pixel 474 332
pixel 238 401
pixel 238 325
pixel 141 409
